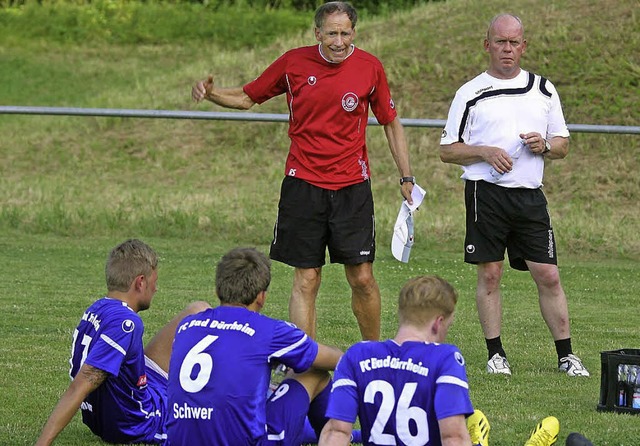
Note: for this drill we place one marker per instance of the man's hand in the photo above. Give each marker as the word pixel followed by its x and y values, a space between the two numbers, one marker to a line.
pixel 535 142
pixel 499 159
pixel 202 89
pixel 405 190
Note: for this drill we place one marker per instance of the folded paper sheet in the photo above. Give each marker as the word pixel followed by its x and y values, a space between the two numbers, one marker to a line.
pixel 402 239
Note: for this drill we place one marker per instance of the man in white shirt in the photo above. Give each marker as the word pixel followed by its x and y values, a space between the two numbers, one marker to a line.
pixel 501 126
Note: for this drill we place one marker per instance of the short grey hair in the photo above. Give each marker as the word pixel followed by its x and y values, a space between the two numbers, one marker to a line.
pixel 332 7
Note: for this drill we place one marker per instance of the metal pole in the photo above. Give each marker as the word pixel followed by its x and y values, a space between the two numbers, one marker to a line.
pixel 259 117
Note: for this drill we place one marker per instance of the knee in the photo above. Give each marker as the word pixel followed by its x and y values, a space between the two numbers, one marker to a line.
pixel 490 275
pixel 197 307
pixel 362 281
pixel 307 278
pixel 549 277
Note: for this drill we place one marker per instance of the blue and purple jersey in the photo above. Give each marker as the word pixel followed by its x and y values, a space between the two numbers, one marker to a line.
pixel 399 392
pixel 220 371
pixel 124 409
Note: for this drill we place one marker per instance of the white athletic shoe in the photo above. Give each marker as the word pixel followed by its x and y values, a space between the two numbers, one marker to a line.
pixel 572 366
pixel 498 364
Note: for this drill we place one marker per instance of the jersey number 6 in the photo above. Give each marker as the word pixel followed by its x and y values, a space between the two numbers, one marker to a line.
pixel 197 356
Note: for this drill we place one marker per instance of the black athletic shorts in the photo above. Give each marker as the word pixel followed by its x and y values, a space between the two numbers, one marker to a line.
pixel 512 219
pixel 312 219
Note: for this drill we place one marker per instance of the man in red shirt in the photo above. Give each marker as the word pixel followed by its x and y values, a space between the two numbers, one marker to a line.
pixel 325 199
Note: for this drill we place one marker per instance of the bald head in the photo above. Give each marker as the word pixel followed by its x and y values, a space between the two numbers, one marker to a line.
pixel 505 44
pixel 504 20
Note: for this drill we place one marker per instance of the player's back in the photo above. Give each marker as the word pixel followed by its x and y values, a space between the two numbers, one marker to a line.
pixel 400 390
pixel 219 374
pixel 109 338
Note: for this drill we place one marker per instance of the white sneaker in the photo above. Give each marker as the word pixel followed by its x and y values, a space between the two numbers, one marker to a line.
pixel 498 364
pixel 572 366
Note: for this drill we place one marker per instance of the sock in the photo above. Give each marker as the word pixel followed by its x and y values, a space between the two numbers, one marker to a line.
pixel 563 348
pixel 495 346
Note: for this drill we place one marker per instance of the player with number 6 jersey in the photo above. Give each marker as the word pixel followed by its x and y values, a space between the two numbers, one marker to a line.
pixel 221 362
pixel 219 374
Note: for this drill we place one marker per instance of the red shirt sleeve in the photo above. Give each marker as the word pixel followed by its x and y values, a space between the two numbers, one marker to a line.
pixel 272 82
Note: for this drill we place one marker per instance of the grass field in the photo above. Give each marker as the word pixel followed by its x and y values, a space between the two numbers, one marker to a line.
pixel 49 280
pixel 71 188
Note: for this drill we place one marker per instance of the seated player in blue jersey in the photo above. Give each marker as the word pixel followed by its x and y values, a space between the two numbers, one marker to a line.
pixel 120 386
pixel 221 361
pixel 408 390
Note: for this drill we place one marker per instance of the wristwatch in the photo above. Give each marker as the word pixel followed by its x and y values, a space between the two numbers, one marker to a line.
pixel 547 147
pixel 411 180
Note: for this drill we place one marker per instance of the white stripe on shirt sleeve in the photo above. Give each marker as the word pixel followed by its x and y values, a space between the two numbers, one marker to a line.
pixel 112 343
pixel 448 379
pixel 286 350
pixel 343 382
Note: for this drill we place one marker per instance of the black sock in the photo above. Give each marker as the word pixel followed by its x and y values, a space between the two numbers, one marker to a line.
pixel 495 346
pixel 563 348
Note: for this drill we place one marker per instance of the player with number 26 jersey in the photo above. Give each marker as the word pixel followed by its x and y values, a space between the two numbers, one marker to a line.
pixel 399 392
pixel 219 374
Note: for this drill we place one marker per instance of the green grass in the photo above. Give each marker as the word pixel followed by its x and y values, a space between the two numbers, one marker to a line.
pixel 72 187
pixel 49 280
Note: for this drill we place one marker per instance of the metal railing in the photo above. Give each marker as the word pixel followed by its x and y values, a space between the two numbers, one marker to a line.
pixel 260 117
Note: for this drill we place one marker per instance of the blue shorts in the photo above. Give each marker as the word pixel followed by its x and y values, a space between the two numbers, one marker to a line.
pixel 287 410
pixel 157 383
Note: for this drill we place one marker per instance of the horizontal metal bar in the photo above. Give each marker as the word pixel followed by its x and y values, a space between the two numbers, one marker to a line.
pixel 260 117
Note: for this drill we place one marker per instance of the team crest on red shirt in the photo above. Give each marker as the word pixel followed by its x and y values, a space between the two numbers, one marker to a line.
pixel 350 101
pixel 142 381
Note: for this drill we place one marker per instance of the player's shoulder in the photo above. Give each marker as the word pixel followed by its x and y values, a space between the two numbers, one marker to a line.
pixel 434 350
pixel 365 57
pixel 448 353
pixel 544 84
pixel 442 348
pixel 475 86
pixel 370 348
pixel 109 315
pixel 302 51
pixel 112 308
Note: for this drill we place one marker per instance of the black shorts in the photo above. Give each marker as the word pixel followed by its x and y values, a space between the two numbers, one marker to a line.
pixel 312 219
pixel 512 219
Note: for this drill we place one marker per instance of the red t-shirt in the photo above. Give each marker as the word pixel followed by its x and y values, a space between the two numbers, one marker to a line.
pixel 328 112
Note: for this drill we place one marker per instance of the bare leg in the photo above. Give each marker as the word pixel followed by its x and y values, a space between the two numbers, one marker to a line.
pixel 488 299
pixel 302 304
pixel 365 299
pixel 313 380
pixel 159 348
pixel 553 301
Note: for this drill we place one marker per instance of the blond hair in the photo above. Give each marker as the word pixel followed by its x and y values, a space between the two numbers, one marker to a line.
pixel 425 297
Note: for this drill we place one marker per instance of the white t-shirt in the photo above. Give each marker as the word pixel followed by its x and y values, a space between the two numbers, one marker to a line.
pixel 488 111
